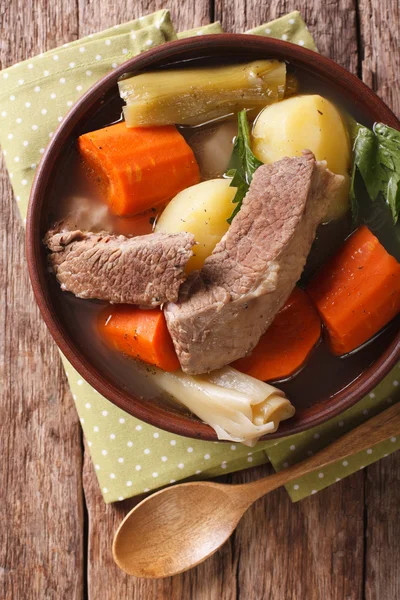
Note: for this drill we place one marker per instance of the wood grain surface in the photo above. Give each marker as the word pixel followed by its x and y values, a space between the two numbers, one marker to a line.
pixel 56 532
pixel 41 533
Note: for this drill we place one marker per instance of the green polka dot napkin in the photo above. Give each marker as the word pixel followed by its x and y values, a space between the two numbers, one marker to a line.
pixel 131 457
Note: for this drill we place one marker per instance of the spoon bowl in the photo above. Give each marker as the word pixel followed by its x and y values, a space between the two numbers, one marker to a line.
pixel 176 538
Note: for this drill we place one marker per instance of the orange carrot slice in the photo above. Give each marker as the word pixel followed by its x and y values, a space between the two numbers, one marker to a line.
pixel 287 343
pixel 139 168
pixel 141 334
pixel 357 292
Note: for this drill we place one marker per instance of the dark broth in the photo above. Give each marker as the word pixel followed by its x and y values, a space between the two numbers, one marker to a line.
pixel 323 376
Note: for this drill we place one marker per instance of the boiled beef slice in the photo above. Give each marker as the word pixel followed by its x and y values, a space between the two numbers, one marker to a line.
pixel 147 270
pixel 225 308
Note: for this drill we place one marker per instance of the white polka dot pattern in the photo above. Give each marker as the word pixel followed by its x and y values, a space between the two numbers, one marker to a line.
pixel 290 28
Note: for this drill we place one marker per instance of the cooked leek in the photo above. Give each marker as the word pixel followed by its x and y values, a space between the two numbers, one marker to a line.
pixel 199 95
pixel 238 407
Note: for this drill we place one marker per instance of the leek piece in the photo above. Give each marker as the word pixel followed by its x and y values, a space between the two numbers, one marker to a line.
pixel 238 407
pixel 200 95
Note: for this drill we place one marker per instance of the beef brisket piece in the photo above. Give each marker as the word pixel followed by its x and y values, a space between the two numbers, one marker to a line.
pixel 146 270
pixel 225 308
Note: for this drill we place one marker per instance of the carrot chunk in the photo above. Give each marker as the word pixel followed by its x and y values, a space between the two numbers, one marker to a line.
pixel 357 292
pixel 141 334
pixel 139 168
pixel 287 343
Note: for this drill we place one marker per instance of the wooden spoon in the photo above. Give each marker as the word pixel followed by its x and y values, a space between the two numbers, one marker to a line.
pixel 178 527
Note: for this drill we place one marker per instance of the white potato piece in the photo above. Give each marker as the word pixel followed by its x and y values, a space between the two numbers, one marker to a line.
pixel 308 122
pixel 203 210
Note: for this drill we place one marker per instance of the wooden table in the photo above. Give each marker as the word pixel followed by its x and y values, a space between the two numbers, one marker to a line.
pixel 56 532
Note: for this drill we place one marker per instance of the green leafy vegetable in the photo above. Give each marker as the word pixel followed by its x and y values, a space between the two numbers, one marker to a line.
pixel 375 184
pixel 377 216
pixel 377 159
pixel 242 164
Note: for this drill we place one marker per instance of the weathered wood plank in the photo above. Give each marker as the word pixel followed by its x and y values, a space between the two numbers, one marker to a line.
pixel 41 536
pixel 380 67
pixel 382 529
pixel 380 59
pixel 95 16
pixel 333 24
pixel 34 27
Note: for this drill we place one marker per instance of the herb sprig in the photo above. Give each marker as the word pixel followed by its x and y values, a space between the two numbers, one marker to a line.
pixel 242 164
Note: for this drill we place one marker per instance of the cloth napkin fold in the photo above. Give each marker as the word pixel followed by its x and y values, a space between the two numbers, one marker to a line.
pixel 132 457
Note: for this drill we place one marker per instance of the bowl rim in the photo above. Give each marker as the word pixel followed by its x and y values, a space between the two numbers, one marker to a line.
pixel 175 50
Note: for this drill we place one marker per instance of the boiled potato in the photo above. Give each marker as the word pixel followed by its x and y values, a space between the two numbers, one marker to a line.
pixel 308 122
pixel 201 209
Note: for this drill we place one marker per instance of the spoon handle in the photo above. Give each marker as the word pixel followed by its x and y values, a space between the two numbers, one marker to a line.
pixel 377 429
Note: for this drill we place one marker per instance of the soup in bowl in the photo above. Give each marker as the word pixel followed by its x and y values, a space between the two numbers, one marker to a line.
pixel 206 243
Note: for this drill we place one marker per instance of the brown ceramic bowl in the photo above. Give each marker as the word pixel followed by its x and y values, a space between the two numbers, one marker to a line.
pixel 90 112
